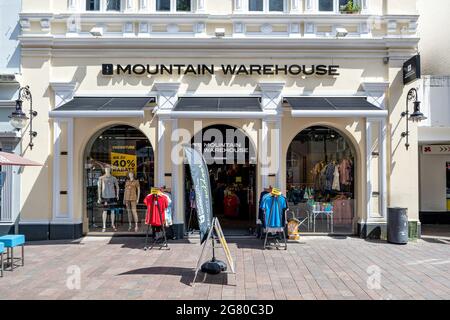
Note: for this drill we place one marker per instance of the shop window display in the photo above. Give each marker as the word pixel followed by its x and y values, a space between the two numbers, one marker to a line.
pixel 121 155
pixel 320 181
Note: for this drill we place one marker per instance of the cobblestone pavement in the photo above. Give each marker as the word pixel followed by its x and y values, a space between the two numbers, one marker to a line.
pixel 313 268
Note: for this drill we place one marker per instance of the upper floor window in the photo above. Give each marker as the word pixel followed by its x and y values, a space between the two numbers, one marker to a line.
pixel 113 5
pixel 173 5
pixel 255 5
pixel 266 5
pixel 95 5
pixel 345 6
pixel 276 5
pixel 92 5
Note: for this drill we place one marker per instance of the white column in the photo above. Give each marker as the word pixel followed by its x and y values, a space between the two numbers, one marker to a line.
pixel 295 6
pixel 369 185
pixel 177 193
pixel 167 99
pixel 279 155
pixel 239 5
pixel 263 156
pixel 271 102
pixel 309 5
pixel 200 6
pixel 161 151
pixel 129 5
pixel 64 92
pixel 59 216
pixel 143 5
pixel 382 170
pixel 72 5
pixel 376 94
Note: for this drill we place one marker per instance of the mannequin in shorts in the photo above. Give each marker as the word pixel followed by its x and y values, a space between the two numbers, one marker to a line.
pixel 130 200
pixel 108 195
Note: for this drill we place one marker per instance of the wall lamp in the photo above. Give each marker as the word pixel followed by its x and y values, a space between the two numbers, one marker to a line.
pixel 19 119
pixel 416 116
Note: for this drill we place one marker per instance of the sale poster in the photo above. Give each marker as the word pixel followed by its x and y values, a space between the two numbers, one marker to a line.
pixel 123 160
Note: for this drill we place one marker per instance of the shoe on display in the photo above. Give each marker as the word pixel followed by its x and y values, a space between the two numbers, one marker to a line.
pixel 103 230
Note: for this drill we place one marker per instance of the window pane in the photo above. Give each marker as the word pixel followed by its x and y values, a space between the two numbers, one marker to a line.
pixel 92 5
pixel 326 5
pixel 276 5
pixel 113 5
pixel 183 5
pixel 256 5
pixel 162 5
pixel 345 5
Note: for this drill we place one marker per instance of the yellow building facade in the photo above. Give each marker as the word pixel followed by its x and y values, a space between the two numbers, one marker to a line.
pixel 93 74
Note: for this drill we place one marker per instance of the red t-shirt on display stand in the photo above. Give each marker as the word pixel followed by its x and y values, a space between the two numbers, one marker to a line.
pixel 153 217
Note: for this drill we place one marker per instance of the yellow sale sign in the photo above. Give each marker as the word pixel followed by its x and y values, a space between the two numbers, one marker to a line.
pixel 122 163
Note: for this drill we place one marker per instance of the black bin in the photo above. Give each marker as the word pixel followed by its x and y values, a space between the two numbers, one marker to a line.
pixel 397 227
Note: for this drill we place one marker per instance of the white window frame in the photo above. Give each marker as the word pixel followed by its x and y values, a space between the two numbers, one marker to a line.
pixel 246 4
pixel 173 7
pixel 103 5
pixel 336 8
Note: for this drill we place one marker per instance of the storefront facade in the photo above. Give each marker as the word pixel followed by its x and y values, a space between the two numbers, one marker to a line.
pixel 299 88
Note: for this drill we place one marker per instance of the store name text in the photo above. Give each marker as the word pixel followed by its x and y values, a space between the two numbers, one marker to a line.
pixel 228 70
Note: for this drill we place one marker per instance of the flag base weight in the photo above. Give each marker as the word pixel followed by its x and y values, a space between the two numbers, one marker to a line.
pixel 214 266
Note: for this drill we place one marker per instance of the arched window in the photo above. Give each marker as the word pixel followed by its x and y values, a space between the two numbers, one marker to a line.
pixel 320 179
pixel 124 149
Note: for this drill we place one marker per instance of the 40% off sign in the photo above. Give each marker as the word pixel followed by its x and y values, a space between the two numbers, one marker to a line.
pixel 122 163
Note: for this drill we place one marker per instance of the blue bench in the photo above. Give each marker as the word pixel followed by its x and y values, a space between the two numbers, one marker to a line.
pixel 2 249
pixel 10 242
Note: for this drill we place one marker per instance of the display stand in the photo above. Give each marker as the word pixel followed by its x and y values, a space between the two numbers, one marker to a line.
pixel 215 234
pixel 276 231
pixel 164 243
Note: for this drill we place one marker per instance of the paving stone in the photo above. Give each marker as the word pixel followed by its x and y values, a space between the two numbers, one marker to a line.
pixel 315 268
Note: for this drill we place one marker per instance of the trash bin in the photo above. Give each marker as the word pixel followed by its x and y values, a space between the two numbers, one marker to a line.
pixel 397 228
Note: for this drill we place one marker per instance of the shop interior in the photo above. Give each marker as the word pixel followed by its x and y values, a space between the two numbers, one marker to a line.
pixel 320 181
pixel 233 182
pixel 123 149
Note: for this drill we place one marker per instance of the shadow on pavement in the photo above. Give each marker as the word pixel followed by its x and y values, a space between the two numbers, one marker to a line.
pixel 139 242
pixel 54 242
pixel 186 274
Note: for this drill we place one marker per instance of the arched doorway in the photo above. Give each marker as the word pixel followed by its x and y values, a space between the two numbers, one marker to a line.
pixel 231 160
pixel 320 180
pixel 123 149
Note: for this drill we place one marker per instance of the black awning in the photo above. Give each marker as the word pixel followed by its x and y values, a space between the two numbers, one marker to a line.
pixel 86 107
pixel 102 104
pixel 331 103
pixel 244 104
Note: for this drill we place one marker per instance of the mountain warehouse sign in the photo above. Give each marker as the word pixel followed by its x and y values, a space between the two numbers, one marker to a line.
pixel 226 69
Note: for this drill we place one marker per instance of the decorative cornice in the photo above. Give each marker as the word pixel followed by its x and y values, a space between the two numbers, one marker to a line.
pixel 57 42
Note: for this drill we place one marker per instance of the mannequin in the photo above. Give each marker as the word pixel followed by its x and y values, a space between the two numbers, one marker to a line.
pixel 108 195
pixel 131 198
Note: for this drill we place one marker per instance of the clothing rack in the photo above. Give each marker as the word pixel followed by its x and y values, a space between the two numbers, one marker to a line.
pixel 277 231
pixel 163 244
